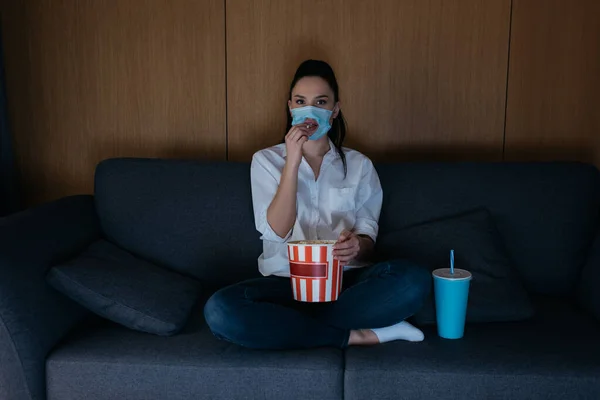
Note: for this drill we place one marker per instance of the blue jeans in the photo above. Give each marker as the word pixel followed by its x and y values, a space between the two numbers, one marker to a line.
pixel 262 314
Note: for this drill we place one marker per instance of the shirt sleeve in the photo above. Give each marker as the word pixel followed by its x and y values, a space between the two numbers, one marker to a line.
pixel 369 201
pixel 264 187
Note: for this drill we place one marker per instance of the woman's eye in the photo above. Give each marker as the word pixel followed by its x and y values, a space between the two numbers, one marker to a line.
pixel 299 101
pixel 321 102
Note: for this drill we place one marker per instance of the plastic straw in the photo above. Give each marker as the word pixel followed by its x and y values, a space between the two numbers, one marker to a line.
pixel 452 262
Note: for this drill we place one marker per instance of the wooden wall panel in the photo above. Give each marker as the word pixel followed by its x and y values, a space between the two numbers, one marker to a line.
pixel 553 109
pixel 419 79
pixel 88 80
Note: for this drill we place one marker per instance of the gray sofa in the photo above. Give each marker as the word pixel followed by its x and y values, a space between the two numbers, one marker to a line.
pixel 196 217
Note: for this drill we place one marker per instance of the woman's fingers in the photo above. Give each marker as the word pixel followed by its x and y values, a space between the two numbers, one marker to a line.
pixel 296 133
pixel 344 236
pixel 344 245
pixel 346 242
pixel 290 135
pixel 345 252
pixel 345 259
pixel 300 135
pixel 301 131
pixel 347 247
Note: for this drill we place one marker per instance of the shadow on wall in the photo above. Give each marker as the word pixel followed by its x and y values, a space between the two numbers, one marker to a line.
pixel 450 153
pixel 430 151
pixel 63 180
pixel 458 153
pixel 566 152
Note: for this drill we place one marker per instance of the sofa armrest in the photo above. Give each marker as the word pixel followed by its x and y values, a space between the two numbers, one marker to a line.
pixel 33 316
pixel 589 286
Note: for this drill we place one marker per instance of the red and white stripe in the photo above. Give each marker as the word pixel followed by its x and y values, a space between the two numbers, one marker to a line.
pixel 315 275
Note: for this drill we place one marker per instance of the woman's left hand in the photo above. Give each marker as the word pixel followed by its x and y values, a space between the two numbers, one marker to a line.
pixel 347 247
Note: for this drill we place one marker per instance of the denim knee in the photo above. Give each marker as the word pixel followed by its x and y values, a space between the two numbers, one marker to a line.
pixel 416 277
pixel 218 314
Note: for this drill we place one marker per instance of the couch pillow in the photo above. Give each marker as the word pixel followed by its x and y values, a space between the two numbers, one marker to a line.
pixel 496 292
pixel 118 286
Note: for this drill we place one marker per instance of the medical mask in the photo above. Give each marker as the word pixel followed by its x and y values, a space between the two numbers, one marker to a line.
pixel 321 115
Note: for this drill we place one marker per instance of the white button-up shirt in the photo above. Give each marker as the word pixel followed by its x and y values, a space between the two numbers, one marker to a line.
pixel 325 207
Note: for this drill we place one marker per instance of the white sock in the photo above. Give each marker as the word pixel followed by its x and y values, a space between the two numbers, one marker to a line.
pixel 400 331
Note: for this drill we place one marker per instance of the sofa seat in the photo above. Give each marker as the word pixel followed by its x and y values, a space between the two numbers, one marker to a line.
pixel 556 355
pixel 106 361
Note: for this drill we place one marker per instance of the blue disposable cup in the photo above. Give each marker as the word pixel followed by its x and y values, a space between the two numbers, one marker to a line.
pixel 451 295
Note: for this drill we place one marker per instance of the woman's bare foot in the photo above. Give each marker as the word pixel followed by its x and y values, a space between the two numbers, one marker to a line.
pixel 362 337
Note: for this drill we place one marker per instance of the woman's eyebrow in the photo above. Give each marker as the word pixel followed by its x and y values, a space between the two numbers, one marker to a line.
pixel 321 96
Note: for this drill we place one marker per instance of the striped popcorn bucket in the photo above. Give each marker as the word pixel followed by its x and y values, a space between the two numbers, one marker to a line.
pixel 316 276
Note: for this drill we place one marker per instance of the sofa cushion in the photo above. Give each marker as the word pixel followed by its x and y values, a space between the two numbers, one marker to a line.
pixel 495 294
pixel 110 362
pixel 193 217
pixel 589 286
pixel 553 356
pixel 547 213
pixel 116 285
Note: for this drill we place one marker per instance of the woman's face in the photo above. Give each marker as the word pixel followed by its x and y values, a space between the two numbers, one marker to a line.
pixel 314 91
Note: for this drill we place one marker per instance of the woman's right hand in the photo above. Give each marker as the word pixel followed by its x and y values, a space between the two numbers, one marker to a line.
pixel 294 140
pixel 281 214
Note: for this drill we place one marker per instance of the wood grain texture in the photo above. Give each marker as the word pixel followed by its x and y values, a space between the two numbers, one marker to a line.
pixel 418 79
pixel 554 81
pixel 88 80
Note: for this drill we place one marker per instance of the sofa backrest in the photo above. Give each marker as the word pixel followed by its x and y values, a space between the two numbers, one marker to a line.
pixel 193 217
pixel 196 217
pixel 547 213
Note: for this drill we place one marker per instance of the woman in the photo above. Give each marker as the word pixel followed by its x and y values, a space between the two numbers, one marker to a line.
pixel 311 188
